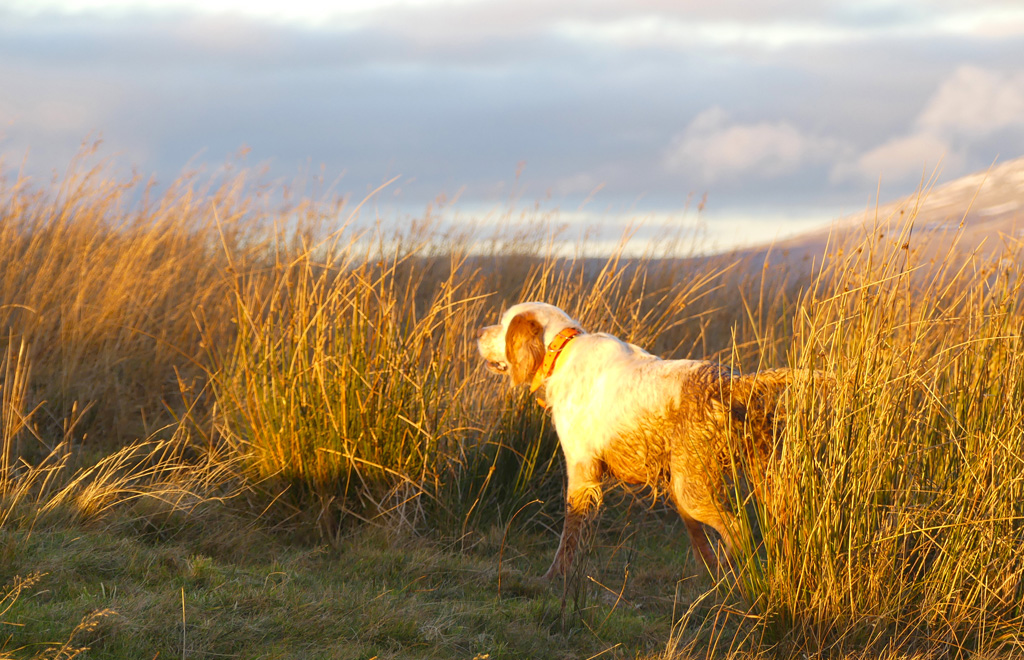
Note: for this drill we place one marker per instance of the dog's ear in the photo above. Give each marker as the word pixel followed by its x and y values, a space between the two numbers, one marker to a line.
pixel 524 347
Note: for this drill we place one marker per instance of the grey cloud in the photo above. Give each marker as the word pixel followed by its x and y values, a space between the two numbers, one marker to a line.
pixel 473 33
pixel 458 95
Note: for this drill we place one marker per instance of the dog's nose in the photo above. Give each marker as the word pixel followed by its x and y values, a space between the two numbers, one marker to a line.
pixel 480 332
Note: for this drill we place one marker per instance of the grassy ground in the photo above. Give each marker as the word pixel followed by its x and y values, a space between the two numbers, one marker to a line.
pixel 225 590
pixel 232 428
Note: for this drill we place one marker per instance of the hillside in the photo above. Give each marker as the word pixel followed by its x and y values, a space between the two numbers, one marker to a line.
pixel 983 211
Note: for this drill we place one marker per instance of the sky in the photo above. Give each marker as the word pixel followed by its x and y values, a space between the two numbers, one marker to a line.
pixel 779 114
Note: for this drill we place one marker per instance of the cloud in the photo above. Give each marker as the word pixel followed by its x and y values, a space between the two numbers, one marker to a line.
pixel 716 149
pixel 444 29
pixel 974 102
pixel 970 105
pixel 456 93
pixel 900 159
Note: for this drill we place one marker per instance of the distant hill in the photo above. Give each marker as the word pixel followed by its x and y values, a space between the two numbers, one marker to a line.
pixel 981 212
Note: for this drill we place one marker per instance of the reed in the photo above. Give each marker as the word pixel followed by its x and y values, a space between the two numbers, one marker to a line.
pixel 162 351
pixel 896 521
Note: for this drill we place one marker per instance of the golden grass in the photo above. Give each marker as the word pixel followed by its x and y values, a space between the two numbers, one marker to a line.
pixel 335 372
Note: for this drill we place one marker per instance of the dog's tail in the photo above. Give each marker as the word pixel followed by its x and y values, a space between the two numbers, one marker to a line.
pixel 758 400
pixel 761 405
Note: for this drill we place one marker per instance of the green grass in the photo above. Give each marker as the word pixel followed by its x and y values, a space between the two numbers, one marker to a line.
pixel 255 595
pixel 281 424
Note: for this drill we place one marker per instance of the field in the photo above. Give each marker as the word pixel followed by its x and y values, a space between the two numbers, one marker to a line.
pixel 237 424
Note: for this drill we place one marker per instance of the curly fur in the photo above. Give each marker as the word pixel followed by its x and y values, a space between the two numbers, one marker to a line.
pixel 621 412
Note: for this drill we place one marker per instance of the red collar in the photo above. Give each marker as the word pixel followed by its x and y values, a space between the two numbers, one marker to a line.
pixel 550 357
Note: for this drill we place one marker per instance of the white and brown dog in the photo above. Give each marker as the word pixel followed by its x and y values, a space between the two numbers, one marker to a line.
pixel 623 412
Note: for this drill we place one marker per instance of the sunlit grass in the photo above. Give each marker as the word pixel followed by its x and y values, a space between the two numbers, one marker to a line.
pixel 215 343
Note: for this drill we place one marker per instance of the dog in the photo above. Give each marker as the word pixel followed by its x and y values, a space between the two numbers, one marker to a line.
pixel 684 425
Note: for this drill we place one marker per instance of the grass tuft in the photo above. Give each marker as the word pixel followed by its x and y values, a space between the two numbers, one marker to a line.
pixel 231 415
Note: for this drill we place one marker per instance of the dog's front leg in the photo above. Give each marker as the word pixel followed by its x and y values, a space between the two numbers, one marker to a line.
pixel 582 500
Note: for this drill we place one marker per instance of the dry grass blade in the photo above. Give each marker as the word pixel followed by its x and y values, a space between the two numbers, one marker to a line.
pixel 328 369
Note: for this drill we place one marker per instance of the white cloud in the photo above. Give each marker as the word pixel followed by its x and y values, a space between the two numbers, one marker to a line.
pixel 900 159
pixel 969 105
pixel 974 102
pixel 716 149
pixel 308 11
pixel 774 24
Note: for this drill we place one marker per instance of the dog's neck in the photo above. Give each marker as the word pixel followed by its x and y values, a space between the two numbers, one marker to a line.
pixel 547 367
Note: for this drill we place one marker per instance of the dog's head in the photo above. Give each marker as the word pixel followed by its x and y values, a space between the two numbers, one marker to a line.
pixel 516 345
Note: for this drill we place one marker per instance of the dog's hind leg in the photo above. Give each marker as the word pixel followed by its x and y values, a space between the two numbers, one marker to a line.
pixel 697 508
pixel 700 543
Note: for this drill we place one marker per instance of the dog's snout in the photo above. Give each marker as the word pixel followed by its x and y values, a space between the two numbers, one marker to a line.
pixel 480 332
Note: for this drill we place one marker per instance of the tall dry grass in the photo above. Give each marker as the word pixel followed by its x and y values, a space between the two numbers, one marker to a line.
pixel 332 373
pixel 896 522
pixel 103 284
